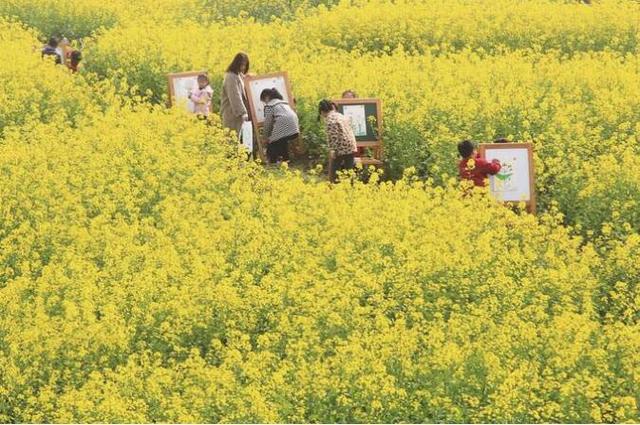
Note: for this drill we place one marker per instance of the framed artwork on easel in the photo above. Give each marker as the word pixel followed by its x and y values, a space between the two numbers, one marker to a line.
pixel 515 182
pixel 180 86
pixel 365 116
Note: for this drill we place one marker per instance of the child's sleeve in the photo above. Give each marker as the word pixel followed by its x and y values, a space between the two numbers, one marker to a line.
pixel 268 121
pixel 334 133
pixel 492 167
pixel 194 95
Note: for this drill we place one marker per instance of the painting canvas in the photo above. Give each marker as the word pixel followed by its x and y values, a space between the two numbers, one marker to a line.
pixel 182 87
pixel 257 84
pixel 358 119
pixel 514 182
pixel 365 116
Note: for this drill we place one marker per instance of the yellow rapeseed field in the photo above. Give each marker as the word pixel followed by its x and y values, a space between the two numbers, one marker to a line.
pixel 150 273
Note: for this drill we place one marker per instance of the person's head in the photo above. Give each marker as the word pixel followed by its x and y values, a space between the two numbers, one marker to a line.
pixel 466 148
pixel 501 140
pixel 325 107
pixel 349 94
pixel 76 57
pixel 203 81
pixel 53 42
pixel 268 95
pixel 240 64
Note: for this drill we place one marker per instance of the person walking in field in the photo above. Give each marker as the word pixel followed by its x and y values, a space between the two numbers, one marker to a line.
pixel 340 138
pixel 281 125
pixel 473 167
pixel 233 102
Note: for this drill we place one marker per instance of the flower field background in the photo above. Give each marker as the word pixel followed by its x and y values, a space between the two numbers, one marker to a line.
pixel 150 274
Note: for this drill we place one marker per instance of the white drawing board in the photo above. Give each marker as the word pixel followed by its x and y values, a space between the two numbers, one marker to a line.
pixel 358 119
pixel 515 180
pixel 182 86
pixel 255 86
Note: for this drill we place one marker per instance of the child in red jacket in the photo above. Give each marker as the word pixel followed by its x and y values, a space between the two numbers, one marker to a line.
pixel 473 167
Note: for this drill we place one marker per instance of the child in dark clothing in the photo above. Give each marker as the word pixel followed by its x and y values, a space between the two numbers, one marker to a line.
pixel 74 61
pixel 473 167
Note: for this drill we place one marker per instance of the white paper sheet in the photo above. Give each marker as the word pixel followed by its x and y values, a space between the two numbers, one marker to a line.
pixel 357 117
pixel 512 182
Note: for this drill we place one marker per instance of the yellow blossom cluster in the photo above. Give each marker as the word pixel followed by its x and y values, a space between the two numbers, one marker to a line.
pixel 150 273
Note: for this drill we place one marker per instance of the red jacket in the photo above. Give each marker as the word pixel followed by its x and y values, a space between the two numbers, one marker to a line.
pixel 479 171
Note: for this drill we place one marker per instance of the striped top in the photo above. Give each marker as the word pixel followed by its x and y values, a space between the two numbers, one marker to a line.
pixel 280 120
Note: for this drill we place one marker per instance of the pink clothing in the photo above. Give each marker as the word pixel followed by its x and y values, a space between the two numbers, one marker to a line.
pixel 201 99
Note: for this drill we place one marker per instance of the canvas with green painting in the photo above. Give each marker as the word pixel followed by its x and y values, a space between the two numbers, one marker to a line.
pixel 365 116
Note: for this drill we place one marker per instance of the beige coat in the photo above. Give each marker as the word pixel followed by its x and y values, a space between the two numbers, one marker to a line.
pixel 233 103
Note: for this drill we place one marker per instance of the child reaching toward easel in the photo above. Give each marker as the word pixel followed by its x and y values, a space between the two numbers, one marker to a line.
pixel 473 167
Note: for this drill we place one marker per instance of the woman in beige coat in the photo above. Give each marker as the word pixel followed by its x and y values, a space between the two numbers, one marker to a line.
pixel 233 104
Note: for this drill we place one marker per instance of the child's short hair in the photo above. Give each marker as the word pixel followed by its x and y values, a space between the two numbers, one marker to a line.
pixel 501 140
pixel 53 42
pixel 271 93
pixel 76 56
pixel 349 94
pixel 466 148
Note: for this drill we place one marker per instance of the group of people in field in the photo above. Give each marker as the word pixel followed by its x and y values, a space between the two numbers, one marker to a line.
pixel 281 125
pixel 62 53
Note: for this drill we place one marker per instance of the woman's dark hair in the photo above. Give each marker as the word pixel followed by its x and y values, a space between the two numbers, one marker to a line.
pixel 236 65
pixel 271 93
pixel 326 106
pixel 465 148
